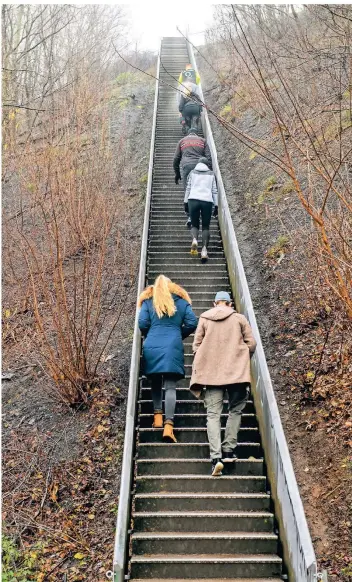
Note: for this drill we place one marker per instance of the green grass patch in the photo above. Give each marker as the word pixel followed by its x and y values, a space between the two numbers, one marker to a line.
pixel 269 184
pixel 278 247
pixel 123 103
pixel 144 179
pixel 17 567
pixel 252 155
pixel 123 78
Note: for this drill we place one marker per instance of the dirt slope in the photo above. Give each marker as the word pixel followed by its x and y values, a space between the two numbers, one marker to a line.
pixel 308 347
pixel 61 467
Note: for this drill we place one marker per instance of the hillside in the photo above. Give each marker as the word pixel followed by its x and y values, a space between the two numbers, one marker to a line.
pixel 305 328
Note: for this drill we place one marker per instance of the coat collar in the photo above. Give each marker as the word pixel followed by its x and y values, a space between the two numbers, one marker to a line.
pixel 173 287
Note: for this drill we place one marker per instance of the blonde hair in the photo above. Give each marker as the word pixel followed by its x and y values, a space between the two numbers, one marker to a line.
pixel 163 301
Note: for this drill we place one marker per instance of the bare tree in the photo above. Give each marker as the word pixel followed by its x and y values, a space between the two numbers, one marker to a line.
pixel 285 66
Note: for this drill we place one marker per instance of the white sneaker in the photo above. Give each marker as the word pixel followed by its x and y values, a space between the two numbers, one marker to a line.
pixel 204 254
pixel 194 247
pixel 216 467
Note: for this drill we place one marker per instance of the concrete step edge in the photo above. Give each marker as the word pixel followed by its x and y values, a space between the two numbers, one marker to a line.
pixel 205 535
pixel 197 477
pixel 210 558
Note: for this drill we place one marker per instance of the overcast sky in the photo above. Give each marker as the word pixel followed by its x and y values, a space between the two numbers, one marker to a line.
pixel 152 20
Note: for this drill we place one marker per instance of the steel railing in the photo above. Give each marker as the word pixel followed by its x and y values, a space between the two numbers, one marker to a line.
pixel 123 516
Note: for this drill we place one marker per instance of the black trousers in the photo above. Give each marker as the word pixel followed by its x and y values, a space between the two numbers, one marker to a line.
pixel 197 209
pixel 186 170
pixel 191 113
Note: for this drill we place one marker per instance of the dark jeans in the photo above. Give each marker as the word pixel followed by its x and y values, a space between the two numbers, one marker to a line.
pixel 196 209
pixel 169 381
pixel 186 170
pixel 191 113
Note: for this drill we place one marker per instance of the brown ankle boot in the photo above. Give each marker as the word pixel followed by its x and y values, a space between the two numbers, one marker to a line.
pixel 158 419
pixel 168 434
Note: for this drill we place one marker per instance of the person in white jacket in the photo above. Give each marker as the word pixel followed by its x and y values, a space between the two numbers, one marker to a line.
pixel 201 197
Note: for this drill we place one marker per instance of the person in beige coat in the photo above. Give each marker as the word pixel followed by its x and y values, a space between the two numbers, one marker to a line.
pixel 223 345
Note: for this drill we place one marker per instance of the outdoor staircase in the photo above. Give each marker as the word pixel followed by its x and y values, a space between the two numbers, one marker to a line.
pixel 187 525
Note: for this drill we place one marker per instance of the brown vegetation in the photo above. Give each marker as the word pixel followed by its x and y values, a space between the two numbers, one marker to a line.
pixel 279 80
pixel 72 213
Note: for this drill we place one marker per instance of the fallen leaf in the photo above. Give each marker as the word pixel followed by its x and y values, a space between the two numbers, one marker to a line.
pixel 79 556
pixel 91 516
pixel 54 490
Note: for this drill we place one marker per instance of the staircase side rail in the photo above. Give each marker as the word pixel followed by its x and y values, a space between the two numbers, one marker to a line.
pixel 298 549
pixel 123 515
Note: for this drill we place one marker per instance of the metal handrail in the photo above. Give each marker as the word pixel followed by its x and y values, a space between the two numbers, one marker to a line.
pixel 298 549
pixel 123 516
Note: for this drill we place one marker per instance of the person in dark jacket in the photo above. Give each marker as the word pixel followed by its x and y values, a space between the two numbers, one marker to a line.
pixel 201 197
pixel 189 150
pixel 165 319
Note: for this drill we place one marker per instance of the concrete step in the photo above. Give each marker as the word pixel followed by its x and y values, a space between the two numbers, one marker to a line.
pixel 198 501
pixel 187 260
pixel 197 407
pixel 201 484
pixel 191 287
pixel 196 466
pixel 205 565
pixel 176 255
pixel 186 280
pixel 208 274
pixel 161 450
pixel 184 417
pixel 183 393
pixel 195 435
pixel 204 543
pixel 276 579
pixel 173 237
pixel 249 521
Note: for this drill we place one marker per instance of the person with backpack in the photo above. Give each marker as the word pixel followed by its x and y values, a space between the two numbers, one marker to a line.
pixel 223 345
pixel 189 76
pixel 201 197
pixel 165 320
pixel 189 109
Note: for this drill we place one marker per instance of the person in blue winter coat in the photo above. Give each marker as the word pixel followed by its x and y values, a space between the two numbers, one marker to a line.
pixel 165 320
